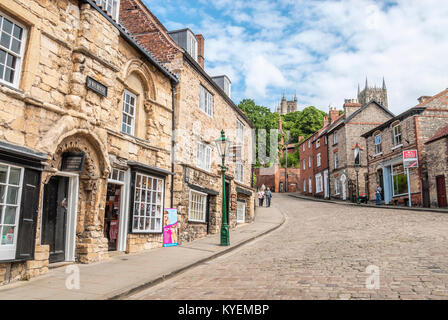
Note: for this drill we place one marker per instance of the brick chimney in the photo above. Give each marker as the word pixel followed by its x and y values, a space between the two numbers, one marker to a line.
pixel 351 106
pixel 334 114
pixel 325 122
pixel 201 58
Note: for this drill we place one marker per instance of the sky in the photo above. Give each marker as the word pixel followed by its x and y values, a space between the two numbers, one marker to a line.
pixel 320 49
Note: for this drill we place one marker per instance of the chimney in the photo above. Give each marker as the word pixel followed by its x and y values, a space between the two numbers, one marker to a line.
pixel 423 99
pixel 201 58
pixel 325 122
pixel 334 114
pixel 351 106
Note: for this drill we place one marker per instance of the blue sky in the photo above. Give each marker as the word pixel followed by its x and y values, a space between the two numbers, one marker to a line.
pixel 320 49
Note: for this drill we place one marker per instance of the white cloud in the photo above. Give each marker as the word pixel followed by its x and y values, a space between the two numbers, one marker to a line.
pixel 322 49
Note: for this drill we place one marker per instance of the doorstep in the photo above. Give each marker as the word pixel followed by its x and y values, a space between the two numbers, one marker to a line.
pixel 123 275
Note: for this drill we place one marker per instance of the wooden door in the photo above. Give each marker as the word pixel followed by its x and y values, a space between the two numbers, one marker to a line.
pixel 441 192
pixel 54 217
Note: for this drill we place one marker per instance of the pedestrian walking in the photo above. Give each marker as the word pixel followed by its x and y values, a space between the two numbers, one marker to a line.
pixel 379 199
pixel 260 198
pixel 268 195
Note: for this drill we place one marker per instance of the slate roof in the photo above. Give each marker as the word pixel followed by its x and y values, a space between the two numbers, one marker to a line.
pixel 439 135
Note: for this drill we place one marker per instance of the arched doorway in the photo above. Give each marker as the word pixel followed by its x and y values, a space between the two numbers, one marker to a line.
pixel 74 196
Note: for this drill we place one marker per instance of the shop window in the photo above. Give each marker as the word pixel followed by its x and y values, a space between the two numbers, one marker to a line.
pixel 117 175
pixel 206 101
pixel 378 144
pixel 241 212
pixel 112 7
pixel 148 204
pixel 204 156
pixel 10 196
pixel 399 180
pixel 397 135
pixel 12 39
pixel 198 206
pixel 129 109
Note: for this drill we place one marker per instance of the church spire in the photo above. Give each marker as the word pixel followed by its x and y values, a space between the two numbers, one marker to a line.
pixel 367 83
pixel 359 90
pixel 384 84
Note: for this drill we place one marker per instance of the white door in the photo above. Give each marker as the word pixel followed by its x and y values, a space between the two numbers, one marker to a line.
pixel 327 195
pixel 241 212
pixel 344 189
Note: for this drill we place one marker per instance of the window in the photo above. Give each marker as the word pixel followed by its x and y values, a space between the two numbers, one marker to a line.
pixel 198 206
pixel 112 7
pixel 326 140
pixel 117 175
pixel 206 101
pixel 335 137
pixel 357 156
pixel 12 38
pixel 309 144
pixel 148 204
pixel 378 144
pixel 204 156
pixel 241 212
pixel 304 164
pixel 10 196
pixel 397 135
pixel 336 160
pixel 319 185
pixel 240 133
pixel 303 147
pixel 399 180
pixel 319 159
pixel 304 185
pixel 318 144
pixel 239 174
pixel 309 161
pixel 310 185
pixel 336 187
pixel 129 107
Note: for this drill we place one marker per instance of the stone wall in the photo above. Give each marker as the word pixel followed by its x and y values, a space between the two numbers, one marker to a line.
pixel 437 155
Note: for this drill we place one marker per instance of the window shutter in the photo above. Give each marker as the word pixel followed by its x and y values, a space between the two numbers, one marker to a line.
pixel 26 237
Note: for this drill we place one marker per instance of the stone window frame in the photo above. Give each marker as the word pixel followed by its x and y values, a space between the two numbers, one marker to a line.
pixel 124 113
pixel 159 214
pixel 206 101
pixel 19 56
pixel 8 251
pixel 204 157
pixel 196 207
pixel 111 7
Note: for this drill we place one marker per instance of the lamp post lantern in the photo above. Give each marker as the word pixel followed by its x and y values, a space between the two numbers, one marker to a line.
pixel 357 167
pixel 222 145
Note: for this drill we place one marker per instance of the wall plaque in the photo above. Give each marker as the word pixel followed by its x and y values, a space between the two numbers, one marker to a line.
pixel 96 86
pixel 73 161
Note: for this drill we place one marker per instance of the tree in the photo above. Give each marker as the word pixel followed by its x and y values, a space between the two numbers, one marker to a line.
pixel 303 123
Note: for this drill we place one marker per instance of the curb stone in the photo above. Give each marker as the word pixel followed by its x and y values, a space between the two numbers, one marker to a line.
pixel 151 283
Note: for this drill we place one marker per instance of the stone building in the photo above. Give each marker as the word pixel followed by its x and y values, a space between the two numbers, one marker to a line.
pixel 374 93
pixel 437 156
pixel 203 107
pixel 85 136
pixel 408 131
pixel 346 145
pixel 286 106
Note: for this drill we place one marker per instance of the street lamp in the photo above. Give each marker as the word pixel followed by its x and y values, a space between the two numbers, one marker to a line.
pixel 357 167
pixel 222 145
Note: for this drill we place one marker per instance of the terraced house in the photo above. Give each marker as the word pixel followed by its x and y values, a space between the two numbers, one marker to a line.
pixel 419 128
pixel 85 136
pixel 203 107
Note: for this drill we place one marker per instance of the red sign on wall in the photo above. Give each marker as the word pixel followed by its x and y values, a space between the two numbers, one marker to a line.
pixel 410 158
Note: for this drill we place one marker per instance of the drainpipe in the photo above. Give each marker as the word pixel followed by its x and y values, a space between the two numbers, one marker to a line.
pixel 173 140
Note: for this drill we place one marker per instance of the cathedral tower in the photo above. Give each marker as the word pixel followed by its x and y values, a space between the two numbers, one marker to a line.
pixel 286 107
pixel 373 93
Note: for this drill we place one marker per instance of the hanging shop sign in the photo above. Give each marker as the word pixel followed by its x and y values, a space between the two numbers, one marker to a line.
pixel 170 228
pixel 410 159
pixel 96 86
pixel 73 161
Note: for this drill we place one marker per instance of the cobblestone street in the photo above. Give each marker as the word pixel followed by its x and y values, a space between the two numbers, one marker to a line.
pixel 322 252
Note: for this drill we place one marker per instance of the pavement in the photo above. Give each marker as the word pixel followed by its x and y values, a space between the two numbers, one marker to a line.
pixel 347 203
pixel 126 274
pixel 326 251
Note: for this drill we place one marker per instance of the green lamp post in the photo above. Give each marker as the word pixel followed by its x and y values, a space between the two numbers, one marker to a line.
pixel 222 145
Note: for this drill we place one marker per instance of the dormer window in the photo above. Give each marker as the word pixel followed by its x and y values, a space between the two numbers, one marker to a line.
pixel 193 48
pixel 112 7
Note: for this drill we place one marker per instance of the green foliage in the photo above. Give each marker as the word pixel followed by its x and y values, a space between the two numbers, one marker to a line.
pixel 303 123
pixel 293 160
